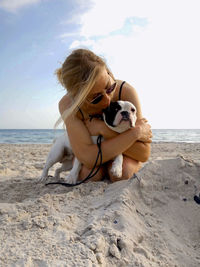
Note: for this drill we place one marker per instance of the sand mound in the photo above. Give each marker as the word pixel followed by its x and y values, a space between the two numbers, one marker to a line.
pixel 154 222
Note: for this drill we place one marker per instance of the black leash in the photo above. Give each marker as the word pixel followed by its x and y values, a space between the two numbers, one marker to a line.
pixel 91 174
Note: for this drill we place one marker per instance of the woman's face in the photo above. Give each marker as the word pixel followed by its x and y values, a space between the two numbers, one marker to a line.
pixel 101 94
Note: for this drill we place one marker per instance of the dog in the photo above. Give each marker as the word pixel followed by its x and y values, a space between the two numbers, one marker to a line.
pixel 119 116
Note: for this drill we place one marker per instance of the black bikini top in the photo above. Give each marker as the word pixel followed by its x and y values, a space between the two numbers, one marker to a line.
pixel 99 115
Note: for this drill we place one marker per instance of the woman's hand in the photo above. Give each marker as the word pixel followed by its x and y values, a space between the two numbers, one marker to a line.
pixel 144 131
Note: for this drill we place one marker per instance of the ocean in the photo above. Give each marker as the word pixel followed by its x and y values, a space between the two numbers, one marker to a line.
pixel 41 136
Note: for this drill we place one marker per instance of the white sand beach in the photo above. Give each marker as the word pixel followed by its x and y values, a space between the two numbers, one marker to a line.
pixel 154 222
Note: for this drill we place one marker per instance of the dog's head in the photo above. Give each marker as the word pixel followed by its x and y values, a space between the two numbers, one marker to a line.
pixel 120 116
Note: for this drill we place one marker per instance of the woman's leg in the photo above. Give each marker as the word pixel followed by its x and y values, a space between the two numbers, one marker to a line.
pixel 98 177
pixel 129 167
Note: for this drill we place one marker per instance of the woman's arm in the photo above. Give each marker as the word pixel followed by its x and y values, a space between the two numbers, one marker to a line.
pixel 86 151
pixel 139 151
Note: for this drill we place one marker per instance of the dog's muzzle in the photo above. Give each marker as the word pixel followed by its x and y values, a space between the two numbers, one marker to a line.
pixel 126 117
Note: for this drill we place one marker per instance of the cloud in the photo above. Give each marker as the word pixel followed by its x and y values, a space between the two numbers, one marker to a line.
pixel 67 34
pixel 154 45
pixel 105 17
pixel 64 37
pixel 14 5
pixel 99 19
pixel 85 43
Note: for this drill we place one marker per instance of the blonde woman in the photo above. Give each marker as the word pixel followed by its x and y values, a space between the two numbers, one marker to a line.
pixel 91 87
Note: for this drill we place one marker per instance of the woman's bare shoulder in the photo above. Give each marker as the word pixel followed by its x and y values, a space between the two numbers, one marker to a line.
pixel 128 92
pixel 64 103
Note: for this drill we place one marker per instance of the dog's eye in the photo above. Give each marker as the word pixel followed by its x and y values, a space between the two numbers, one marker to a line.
pixel 133 110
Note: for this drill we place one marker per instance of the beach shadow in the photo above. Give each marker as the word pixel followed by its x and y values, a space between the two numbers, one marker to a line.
pixel 18 190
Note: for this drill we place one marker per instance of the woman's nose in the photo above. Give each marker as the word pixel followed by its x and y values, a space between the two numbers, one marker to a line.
pixel 106 101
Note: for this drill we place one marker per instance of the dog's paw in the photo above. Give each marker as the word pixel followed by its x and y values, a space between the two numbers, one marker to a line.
pixel 71 179
pixel 57 175
pixel 116 170
pixel 42 179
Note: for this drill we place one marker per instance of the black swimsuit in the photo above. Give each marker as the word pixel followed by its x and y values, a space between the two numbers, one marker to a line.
pixel 120 90
pixel 97 115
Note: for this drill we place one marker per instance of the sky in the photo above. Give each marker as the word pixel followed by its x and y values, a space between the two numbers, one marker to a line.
pixel 154 45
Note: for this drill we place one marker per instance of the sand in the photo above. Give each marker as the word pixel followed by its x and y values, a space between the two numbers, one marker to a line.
pixel 152 222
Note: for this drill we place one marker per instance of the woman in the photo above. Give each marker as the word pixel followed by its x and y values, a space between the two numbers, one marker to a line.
pixel 91 87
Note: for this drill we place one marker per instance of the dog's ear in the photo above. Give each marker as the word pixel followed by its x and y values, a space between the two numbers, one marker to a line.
pixel 105 110
pixel 108 108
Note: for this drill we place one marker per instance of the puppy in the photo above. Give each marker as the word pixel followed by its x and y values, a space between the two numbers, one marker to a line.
pixel 119 116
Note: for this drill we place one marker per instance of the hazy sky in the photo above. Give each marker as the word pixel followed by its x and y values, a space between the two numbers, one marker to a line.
pixel 153 44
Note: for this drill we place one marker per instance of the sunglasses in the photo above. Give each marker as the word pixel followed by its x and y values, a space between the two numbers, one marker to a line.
pixel 97 99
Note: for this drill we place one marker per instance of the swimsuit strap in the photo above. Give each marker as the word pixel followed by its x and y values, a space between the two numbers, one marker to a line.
pixel 120 90
pixel 81 113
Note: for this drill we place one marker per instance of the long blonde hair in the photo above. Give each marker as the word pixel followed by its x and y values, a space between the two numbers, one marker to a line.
pixel 78 75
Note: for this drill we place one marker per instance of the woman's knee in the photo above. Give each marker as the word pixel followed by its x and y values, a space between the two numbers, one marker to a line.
pixel 129 167
pixel 84 172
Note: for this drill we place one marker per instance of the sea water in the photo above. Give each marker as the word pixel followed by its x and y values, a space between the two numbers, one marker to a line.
pixel 46 136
